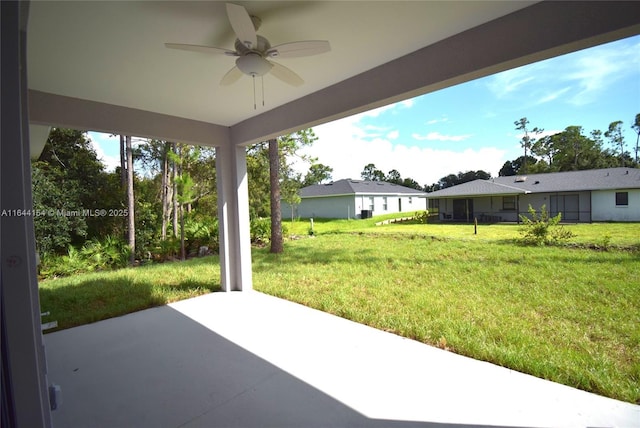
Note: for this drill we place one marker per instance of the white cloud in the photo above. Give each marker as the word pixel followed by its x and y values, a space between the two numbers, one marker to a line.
pixel 434 121
pixel 436 136
pixel 407 103
pixel 593 73
pixel 582 77
pixel 98 141
pixel 339 146
pixel 393 135
pixel 554 95
pixel 378 111
pixel 507 82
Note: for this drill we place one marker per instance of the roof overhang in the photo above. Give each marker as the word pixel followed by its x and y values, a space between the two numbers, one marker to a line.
pixel 102 65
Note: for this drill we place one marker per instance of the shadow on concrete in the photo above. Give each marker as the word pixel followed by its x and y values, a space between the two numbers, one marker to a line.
pixel 159 368
pixel 98 298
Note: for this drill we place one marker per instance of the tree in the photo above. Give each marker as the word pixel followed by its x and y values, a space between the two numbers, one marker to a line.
pixel 166 187
pixel 155 156
pixel 187 192
pixel 52 194
pixel 277 245
pixel 527 141
pixel 123 163
pixel 410 182
pixel 288 148
pixel 69 161
pixel 546 149
pixel 131 227
pixel 636 127
pixel 507 170
pixel 258 169
pixel 455 179
pixel 371 173
pixel 394 177
pixel 174 179
pixel 183 197
pixel 616 138
pixel 317 174
pixel 258 183
pixel 574 151
pixel 291 197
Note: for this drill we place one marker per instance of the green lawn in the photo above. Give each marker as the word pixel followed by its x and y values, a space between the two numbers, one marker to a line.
pixel 86 298
pixel 571 315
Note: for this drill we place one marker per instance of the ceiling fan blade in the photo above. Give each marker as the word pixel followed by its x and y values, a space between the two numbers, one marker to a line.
pixel 203 49
pixel 297 49
pixel 286 74
pixel 242 25
pixel 232 76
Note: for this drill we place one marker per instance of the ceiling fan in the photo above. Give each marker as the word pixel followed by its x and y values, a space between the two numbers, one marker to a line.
pixel 254 52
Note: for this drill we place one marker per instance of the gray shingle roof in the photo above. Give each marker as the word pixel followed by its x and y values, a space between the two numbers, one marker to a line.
pixel 360 187
pixel 569 181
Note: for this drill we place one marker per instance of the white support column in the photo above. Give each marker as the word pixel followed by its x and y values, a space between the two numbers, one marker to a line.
pixel 25 399
pixel 233 218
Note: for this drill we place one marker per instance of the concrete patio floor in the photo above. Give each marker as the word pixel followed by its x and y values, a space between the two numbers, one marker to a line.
pixel 252 360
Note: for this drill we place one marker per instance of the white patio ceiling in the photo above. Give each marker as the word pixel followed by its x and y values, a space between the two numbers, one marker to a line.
pixel 109 59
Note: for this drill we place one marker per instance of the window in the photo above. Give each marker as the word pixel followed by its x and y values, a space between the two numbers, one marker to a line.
pixel 384 203
pixel 370 203
pixel 434 206
pixel 622 199
pixel 509 203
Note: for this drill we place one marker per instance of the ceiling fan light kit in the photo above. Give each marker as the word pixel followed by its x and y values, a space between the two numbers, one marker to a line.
pixel 253 51
pixel 253 64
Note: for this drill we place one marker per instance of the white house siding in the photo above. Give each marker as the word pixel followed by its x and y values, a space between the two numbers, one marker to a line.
pixel 605 209
pixel 351 206
pixel 395 203
pixel 327 207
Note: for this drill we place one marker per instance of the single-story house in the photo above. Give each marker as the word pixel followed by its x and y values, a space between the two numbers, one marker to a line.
pixel 355 199
pixel 611 194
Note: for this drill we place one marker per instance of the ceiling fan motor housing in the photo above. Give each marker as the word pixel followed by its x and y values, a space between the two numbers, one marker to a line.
pixel 263 46
pixel 251 61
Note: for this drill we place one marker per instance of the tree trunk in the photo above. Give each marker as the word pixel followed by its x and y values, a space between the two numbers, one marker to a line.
pixel 181 204
pixel 277 245
pixel 123 164
pixel 131 202
pixel 166 191
pixel 183 255
pixel 175 193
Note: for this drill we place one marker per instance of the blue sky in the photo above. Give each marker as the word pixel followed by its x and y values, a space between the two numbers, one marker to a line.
pixel 470 126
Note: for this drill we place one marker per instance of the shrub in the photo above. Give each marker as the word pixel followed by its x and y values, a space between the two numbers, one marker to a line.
pixel 168 249
pixel 540 229
pixel 202 232
pixel 110 253
pixel 261 230
pixel 422 216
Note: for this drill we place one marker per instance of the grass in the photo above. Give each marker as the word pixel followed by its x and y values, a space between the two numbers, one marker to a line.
pixel 87 298
pixel 571 315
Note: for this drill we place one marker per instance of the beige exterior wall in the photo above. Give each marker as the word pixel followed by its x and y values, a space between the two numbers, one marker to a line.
pixel 605 208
